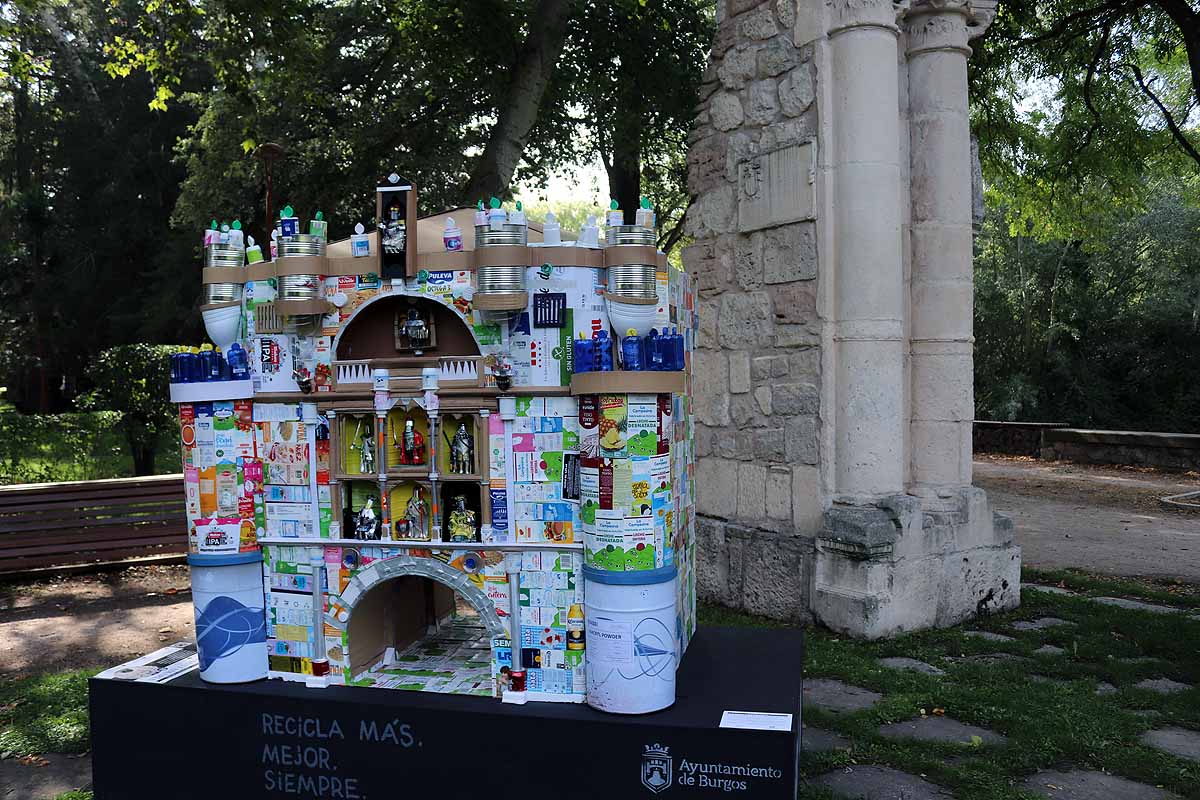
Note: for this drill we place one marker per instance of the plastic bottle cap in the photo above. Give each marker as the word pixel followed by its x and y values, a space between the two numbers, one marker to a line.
pixel 450 223
pixel 494 202
pixel 236 225
pixel 631 332
pixel 612 205
pixel 551 219
pixel 320 216
pixel 358 228
pixel 250 240
pixel 205 346
pixel 287 212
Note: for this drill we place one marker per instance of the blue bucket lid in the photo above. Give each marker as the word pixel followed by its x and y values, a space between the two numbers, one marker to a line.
pixel 224 559
pixel 645 577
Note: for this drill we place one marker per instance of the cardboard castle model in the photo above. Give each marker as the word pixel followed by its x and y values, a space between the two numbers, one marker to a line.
pixel 399 476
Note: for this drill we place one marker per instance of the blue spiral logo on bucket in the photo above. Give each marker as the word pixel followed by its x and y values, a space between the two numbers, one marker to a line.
pixel 225 627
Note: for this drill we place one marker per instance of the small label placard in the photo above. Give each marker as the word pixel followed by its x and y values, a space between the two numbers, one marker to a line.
pixel 757 721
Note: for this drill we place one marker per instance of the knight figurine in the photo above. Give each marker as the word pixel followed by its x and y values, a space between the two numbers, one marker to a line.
pixel 462 451
pixel 365 448
pixel 366 524
pixel 414 516
pixel 411 444
pixel 462 521
pixel 417 331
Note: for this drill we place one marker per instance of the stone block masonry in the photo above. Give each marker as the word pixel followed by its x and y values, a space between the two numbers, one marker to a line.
pixel 830 162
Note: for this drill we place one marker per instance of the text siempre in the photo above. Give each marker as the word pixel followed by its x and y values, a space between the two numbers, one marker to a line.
pixel 297 759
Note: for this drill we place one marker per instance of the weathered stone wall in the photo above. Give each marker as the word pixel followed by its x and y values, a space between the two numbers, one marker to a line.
pixel 833 373
pixel 758 359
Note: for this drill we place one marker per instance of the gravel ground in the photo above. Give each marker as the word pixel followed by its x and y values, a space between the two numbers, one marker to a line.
pixel 1106 520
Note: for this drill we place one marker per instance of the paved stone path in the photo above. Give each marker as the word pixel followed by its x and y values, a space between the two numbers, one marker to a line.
pixel 1162 685
pixel 1136 605
pixel 1097 519
pixel 989 636
pixel 1040 624
pixel 911 665
pixel 879 783
pixel 940 729
pixel 816 740
pixel 1176 741
pixel 838 697
pixel 1085 785
pixel 62 774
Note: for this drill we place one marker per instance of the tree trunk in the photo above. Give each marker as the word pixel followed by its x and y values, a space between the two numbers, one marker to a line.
pixel 143 459
pixel 531 75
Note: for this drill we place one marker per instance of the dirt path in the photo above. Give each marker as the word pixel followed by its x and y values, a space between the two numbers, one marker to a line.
pixel 92 620
pixel 1101 519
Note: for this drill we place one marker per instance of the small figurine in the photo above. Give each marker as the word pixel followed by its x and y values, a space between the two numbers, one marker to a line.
pixel 411 445
pixel 462 521
pixel 414 516
pixel 365 448
pixel 417 331
pixel 462 451
pixel 366 524
pixel 502 371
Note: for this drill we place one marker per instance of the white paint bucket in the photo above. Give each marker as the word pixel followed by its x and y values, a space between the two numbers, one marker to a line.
pixel 231 626
pixel 632 643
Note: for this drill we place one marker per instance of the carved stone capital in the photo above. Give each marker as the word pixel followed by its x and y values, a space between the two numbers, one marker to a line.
pixel 947 25
pixel 848 14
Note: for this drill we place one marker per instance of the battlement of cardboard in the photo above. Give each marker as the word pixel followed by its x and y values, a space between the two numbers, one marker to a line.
pixel 464 485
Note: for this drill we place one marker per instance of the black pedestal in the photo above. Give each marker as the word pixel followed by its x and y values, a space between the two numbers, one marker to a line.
pixel 190 740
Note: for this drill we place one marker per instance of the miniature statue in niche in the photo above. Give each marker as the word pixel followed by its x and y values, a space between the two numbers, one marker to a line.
pixel 414 331
pixel 502 370
pixel 365 447
pixel 410 444
pixel 462 451
pixel 393 232
pixel 366 524
pixel 462 520
pixel 414 517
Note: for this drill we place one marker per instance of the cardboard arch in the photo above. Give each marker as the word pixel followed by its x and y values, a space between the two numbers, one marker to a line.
pixel 370 309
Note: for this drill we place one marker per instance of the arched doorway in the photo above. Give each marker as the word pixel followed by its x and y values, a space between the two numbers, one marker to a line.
pixel 408 608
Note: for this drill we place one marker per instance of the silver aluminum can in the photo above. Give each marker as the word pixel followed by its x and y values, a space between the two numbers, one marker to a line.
pixel 222 293
pixel 616 235
pixel 634 280
pixel 500 279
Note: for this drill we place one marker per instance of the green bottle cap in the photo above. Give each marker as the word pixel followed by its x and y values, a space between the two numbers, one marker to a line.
pixel 320 216
pixel 479 206
pixel 287 212
pixel 519 205
pixel 494 202
pixel 236 225
pixel 214 225
pixel 612 205
pixel 645 202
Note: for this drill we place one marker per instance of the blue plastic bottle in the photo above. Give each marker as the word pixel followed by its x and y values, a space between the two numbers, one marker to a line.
pixel 677 347
pixel 631 352
pixel 188 365
pixel 176 358
pixel 583 356
pixel 603 355
pixel 659 350
pixel 239 363
pixel 210 367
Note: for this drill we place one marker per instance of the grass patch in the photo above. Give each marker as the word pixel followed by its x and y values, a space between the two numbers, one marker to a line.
pixel 45 714
pixel 1048 725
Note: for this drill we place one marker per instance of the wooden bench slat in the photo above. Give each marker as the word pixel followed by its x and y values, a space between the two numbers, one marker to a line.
pixel 109 502
pixel 18 565
pixel 68 540
pixel 95 547
pixel 39 523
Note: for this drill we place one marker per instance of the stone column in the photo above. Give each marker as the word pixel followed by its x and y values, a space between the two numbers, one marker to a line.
pixel 868 269
pixel 943 403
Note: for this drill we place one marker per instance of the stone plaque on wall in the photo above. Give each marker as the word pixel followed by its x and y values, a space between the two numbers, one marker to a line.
pixel 776 188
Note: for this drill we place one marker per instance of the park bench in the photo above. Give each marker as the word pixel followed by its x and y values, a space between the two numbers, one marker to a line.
pixel 54 525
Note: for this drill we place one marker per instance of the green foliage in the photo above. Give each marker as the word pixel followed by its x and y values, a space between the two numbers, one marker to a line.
pixel 133 380
pixel 1102 331
pixel 44 714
